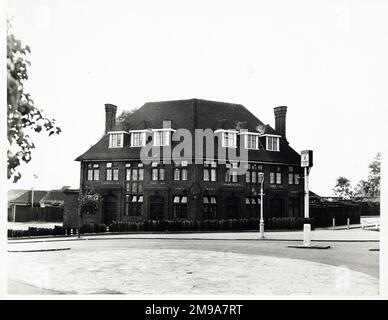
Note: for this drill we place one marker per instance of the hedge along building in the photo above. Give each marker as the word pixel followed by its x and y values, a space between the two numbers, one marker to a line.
pixel 136 185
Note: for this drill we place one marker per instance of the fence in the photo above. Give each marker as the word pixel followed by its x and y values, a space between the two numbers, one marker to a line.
pixel 46 214
pixel 324 213
pixel 369 208
pixel 252 224
pixel 283 223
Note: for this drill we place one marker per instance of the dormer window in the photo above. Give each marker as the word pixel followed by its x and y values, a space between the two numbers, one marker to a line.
pixel 251 140
pixel 228 138
pixel 116 139
pixel 138 138
pixel 162 137
pixel 273 143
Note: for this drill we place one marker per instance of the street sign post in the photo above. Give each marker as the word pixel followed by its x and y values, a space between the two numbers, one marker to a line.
pixel 306 162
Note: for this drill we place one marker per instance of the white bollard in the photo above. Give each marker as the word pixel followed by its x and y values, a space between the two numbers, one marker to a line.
pixel 348 223
pixel 307 235
pixel 333 223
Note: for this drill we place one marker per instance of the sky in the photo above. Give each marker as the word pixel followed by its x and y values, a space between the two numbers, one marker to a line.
pixel 325 60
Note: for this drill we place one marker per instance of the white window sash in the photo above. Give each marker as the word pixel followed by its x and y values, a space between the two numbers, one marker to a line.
pixel 116 140
pixel 229 139
pixel 161 138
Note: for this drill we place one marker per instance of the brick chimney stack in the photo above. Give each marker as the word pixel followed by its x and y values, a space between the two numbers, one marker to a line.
pixel 280 120
pixel 110 117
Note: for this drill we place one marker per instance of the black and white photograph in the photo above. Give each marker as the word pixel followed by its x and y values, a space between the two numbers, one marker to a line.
pixel 194 150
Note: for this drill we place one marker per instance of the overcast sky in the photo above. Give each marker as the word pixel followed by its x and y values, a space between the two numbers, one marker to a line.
pixel 325 60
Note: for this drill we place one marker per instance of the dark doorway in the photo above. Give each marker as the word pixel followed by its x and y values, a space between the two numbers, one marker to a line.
pixel 232 208
pixel 277 207
pixel 109 209
pixel 157 208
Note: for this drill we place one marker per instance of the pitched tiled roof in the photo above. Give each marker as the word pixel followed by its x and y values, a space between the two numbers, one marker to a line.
pixel 26 197
pixel 192 114
pixel 15 193
pixel 54 196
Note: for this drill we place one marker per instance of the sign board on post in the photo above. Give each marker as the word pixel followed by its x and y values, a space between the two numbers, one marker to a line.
pixel 306 158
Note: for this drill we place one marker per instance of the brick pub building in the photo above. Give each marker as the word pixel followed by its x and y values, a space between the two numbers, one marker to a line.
pixel 133 191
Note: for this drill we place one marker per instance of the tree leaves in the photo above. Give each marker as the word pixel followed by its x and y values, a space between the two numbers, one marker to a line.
pixel 342 188
pixel 21 112
pixel 371 186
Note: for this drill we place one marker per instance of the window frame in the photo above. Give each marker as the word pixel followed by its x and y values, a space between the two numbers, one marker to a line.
pixel 268 144
pixel 179 207
pixel 210 204
pixel 230 173
pixel 112 171
pixel 116 133
pixel 158 168
pixel 223 132
pixel 247 135
pixel 143 134
pixel 182 171
pixel 210 167
pixel 92 169
pixel 167 139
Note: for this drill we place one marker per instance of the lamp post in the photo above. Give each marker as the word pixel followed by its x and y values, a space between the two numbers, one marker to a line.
pixel 32 191
pixel 261 181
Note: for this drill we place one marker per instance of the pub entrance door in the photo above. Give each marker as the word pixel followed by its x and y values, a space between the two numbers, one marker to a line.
pixel 157 208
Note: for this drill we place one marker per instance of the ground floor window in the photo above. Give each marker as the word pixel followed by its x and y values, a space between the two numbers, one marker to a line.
pixel 179 207
pixel 209 208
pixel 294 207
pixel 252 207
pixel 133 205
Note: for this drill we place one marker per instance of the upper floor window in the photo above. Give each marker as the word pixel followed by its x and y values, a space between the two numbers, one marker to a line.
pixel 138 138
pixel 293 176
pixel 162 137
pixel 112 173
pixel 116 139
pixel 157 172
pixel 93 172
pixel 251 140
pixel 275 176
pixel 134 174
pixel 210 171
pixel 180 171
pixel 273 143
pixel 252 173
pixel 231 172
pixel 228 138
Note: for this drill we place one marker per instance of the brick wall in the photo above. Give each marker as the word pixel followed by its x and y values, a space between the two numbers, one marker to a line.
pixel 70 213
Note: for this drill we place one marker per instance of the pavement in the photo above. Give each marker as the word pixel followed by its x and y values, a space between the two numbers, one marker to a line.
pixel 197 263
pixel 339 234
